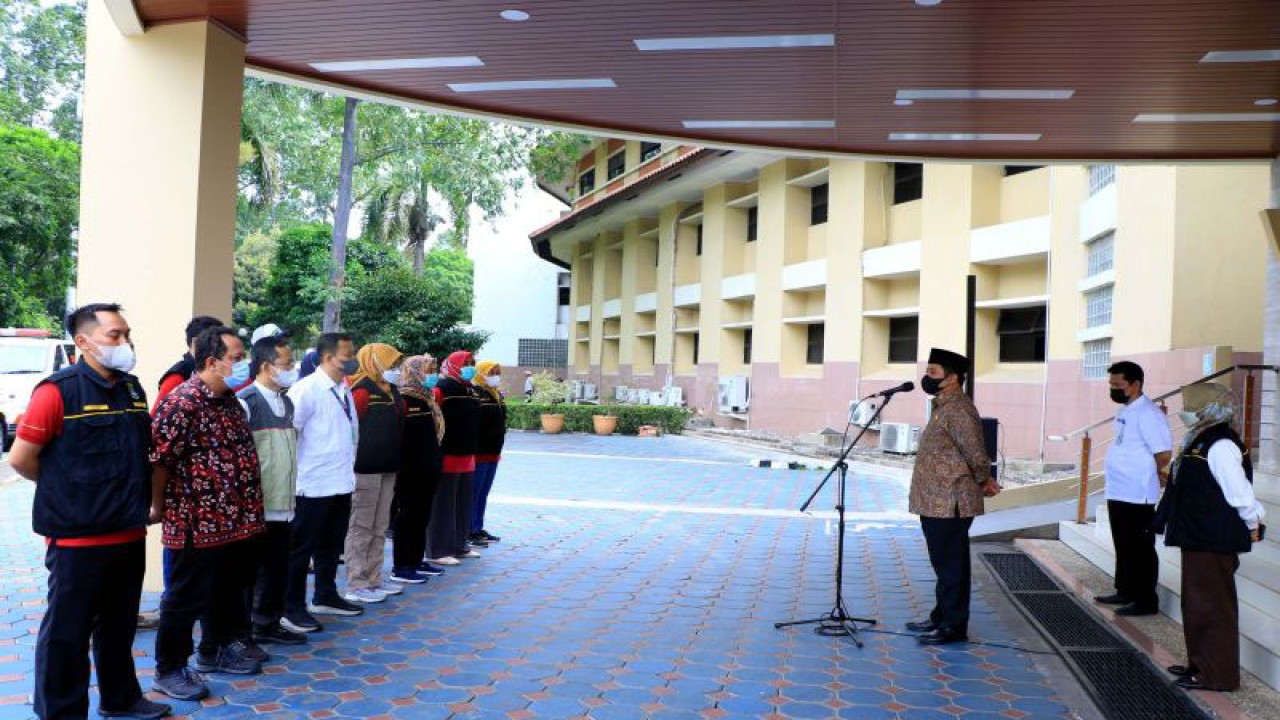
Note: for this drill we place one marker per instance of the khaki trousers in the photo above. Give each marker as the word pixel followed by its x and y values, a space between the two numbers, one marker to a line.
pixel 366 535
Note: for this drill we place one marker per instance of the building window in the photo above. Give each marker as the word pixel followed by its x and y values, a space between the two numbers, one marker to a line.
pixel 617 165
pixel 813 344
pixel 698 248
pixel 1101 253
pixel 904 339
pixel 1011 170
pixel 649 151
pixel 746 346
pixel 1098 307
pixel 1097 358
pixel 1100 176
pixel 563 287
pixel 697 339
pixel 753 224
pixel 1021 334
pixel 586 182
pixel 818 204
pixel 908 182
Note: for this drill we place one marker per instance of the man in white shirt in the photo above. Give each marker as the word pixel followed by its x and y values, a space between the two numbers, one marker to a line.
pixel 328 430
pixel 1136 463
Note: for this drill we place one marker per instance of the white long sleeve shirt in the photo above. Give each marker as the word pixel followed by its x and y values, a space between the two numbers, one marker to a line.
pixel 328 430
pixel 1225 463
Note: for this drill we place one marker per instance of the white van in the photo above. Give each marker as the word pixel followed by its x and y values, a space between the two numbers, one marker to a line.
pixel 26 358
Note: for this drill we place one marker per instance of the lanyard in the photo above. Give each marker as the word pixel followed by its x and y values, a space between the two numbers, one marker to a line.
pixel 343 401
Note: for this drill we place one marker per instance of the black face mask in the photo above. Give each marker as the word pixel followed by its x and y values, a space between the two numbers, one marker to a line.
pixel 1119 396
pixel 931 385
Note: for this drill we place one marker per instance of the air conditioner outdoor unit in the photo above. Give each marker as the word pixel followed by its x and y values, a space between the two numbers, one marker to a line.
pixel 734 394
pixel 589 391
pixel 575 390
pixel 620 393
pixel 642 397
pixel 862 413
pixel 899 438
pixel 657 397
pixel 675 396
pixel 631 395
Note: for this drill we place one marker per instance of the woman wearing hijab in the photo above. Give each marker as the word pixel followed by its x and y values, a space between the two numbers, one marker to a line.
pixel 493 433
pixel 380 411
pixel 1212 514
pixel 461 409
pixel 420 460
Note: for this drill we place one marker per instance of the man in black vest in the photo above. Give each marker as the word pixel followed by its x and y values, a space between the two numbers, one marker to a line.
pixel 84 441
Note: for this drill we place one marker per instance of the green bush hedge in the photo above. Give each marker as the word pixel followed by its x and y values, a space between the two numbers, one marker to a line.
pixel 522 415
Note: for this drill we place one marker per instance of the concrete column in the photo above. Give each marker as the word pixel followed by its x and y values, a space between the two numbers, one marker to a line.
pixel 1269 436
pixel 158 178
pixel 158 184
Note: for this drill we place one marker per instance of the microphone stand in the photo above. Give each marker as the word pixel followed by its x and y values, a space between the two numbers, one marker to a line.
pixel 838 622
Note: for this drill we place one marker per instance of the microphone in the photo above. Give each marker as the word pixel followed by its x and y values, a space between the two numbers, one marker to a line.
pixel 904 387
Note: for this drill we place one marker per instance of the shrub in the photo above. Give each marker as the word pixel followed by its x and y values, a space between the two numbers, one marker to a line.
pixel 522 415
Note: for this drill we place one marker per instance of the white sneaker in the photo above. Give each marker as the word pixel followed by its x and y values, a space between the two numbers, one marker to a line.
pixel 446 561
pixel 388 588
pixel 471 554
pixel 364 595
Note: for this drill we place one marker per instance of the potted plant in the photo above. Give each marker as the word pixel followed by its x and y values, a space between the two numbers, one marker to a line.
pixel 552 423
pixel 549 390
pixel 604 424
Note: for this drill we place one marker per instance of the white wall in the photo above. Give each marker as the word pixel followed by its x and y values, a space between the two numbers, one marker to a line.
pixel 516 291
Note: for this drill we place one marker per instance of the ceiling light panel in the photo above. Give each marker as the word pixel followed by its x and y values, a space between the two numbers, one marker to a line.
pixel 735 42
pixel 400 64
pixel 1241 56
pixel 1207 117
pixel 519 85
pixel 984 94
pixel 759 124
pixel 964 137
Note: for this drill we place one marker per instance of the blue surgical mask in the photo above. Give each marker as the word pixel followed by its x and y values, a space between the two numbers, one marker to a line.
pixel 430 381
pixel 468 373
pixel 239 374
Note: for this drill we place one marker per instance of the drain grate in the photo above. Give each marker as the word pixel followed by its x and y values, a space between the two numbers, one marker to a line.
pixel 1020 573
pixel 1068 624
pixel 1125 689
pixel 1122 682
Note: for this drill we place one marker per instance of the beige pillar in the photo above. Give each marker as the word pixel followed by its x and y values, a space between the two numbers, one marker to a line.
pixel 158 182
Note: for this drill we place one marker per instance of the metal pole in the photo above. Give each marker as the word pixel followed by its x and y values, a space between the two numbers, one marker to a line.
pixel 970 323
pixel 1082 504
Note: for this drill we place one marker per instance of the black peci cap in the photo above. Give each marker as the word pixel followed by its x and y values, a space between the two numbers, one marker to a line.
pixel 955 362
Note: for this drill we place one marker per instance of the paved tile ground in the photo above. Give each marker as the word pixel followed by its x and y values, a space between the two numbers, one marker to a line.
pixel 637 578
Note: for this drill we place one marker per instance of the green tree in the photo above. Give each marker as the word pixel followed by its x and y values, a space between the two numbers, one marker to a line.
pixel 403 309
pixel 39 187
pixel 42 65
pixel 253 264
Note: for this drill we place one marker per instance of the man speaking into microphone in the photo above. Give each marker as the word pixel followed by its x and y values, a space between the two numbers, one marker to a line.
pixel 951 476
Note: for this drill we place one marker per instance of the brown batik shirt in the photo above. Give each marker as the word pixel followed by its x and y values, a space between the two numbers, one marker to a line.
pixel 951 461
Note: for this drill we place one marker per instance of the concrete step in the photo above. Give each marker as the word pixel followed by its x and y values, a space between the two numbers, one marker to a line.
pixel 1257 583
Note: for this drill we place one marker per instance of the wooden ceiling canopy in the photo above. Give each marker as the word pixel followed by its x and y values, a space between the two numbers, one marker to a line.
pixel 1043 80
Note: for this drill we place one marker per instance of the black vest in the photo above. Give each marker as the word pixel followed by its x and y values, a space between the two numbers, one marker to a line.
pixel 493 425
pixel 1199 516
pixel 379 448
pixel 420 449
pixel 461 410
pixel 95 477
pixel 184 368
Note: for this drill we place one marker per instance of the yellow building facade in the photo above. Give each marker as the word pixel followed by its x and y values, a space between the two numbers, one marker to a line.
pixel 821 281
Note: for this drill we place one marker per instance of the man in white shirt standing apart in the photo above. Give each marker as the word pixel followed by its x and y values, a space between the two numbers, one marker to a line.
pixel 325 415
pixel 1136 462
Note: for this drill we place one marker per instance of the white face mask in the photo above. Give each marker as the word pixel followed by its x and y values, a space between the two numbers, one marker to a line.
pixel 286 378
pixel 1188 418
pixel 391 376
pixel 117 357
pixel 493 381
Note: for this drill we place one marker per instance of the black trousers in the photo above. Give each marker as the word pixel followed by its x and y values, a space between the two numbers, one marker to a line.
pixel 272 574
pixel 319 533
pixel 442 535
pixel 462 511
pixel 1211 617
pixel 948 543
pixel 415 493
pixel 93 595
pixel 1137 565
pixel 210 585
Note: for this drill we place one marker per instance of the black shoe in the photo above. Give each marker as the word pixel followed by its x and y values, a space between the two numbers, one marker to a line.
pixel 943 635
pixel 144 709
pixel 478 540
pixel 1191 683
pixel 250 649
pixel 1136 610
pixel 1181 670
pixel 300 621
pixel 924 626
pixel 1112 599
pixel 230 659
pixel 184 684
pixel 489 536
pixel 427 568
pixel 335 606
pixel 275 634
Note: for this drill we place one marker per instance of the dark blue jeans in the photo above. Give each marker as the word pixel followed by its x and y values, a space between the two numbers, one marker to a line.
pixel 485 471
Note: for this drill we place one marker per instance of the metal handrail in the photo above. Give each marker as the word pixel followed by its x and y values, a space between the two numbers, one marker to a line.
pixel 1162 398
